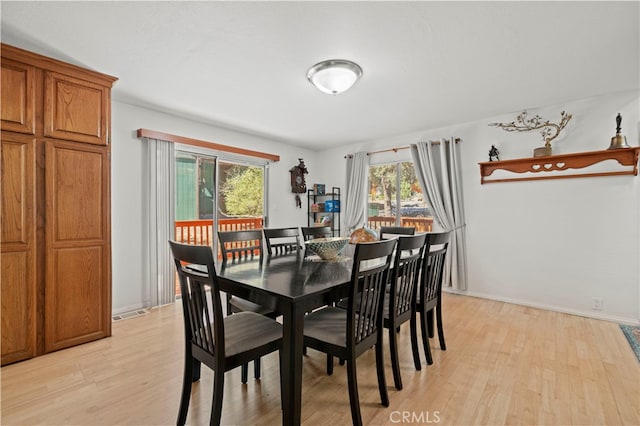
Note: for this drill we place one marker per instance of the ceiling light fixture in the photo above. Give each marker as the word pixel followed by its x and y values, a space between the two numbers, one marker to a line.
pixel 334 76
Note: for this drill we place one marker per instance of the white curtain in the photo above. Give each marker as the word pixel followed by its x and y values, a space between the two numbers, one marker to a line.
pixel 159 211
pixel 356 191
pixel 438 169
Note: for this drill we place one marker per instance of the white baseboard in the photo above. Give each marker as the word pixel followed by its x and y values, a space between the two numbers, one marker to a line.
pixel 131 308
pixel 554 308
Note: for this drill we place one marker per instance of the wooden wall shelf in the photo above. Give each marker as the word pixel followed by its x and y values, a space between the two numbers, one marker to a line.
pixel 560 163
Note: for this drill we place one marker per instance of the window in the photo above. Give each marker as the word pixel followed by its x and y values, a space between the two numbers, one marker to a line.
pixel 395 198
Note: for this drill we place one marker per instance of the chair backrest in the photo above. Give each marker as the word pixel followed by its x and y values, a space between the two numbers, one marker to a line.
pixel 387 232
pixel 203 321
pixel 238 245
pixel 311 232
pixel 433 267
pixel 282 240
pixel 369 276
pixel 406 274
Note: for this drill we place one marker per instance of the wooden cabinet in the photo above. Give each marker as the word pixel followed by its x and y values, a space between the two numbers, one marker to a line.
pixel 55 197
pixel 18 254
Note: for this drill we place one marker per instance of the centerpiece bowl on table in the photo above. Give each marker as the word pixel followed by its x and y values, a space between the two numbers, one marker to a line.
pixel 327 248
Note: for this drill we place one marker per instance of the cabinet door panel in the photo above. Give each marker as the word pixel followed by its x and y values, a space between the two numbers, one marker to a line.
pixel 17 110
pixel 76 206
pixel 78 257
pixel 17 244
pixel 75 109
pixel 74 308
pixel 18 306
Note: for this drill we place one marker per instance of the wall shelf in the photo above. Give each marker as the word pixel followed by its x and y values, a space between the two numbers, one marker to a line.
pixel 562 163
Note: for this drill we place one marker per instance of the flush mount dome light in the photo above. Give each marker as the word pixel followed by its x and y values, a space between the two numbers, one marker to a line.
pixel 334 76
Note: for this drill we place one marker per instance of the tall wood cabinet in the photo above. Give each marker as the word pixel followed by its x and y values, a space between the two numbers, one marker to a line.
pixel 55 238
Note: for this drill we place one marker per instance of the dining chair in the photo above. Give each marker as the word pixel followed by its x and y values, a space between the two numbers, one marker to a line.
pixel 282 240
pixel 387 232
pixel 400 300
pixel 238 246
pixel 346 333
pixel 429 296
pixel 221 343
pixel 311 232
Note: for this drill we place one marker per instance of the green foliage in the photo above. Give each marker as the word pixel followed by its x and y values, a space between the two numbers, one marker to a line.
pixel 242 191
pixel 383 179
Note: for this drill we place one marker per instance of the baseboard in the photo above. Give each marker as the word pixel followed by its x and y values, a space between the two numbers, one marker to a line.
pixel 554 308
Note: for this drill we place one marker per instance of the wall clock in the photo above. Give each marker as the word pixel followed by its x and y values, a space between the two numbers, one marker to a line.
pixel 298 182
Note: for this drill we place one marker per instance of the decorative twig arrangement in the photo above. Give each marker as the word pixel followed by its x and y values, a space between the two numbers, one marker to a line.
pixel 548 130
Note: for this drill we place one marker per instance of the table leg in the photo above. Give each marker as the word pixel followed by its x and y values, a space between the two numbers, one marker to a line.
pixel 292 339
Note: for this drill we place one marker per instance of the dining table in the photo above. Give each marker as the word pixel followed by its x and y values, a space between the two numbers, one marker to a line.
pixel 292 285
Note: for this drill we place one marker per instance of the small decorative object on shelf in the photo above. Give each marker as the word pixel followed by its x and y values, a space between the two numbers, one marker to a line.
pixel 548 130
pixel 494 154
pixel 332 206
pixel 619 140
pixel 324 221
pixel 318 188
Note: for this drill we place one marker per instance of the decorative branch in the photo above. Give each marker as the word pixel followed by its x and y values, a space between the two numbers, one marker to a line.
pixel 548 130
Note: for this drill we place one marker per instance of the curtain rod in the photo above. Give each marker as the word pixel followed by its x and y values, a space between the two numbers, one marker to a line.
pixel 153 134
pixel 396 149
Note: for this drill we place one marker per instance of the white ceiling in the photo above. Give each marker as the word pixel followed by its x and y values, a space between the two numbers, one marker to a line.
pixel 426 65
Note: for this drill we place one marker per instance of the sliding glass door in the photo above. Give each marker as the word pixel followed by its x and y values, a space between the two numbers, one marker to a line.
pixel 216 194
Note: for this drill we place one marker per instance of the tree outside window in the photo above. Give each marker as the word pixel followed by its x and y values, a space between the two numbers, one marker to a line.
pixel 395 198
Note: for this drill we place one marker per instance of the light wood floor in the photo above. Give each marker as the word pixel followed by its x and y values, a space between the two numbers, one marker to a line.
pixel 504 364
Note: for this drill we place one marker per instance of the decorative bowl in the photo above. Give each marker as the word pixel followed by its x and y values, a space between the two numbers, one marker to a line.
pixel 363 235
pixel 327 248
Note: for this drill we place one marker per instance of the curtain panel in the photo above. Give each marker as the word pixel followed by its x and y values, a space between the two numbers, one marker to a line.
pixel 159 210
pixel 356 191
pixel 438 170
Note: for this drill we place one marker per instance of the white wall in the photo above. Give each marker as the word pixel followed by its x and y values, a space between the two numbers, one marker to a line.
pixel 553 244
pixel 127 222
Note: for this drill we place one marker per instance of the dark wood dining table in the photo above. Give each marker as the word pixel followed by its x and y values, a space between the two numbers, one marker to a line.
pixel 291 285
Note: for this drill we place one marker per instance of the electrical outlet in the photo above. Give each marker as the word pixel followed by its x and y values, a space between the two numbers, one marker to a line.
pixel 597 303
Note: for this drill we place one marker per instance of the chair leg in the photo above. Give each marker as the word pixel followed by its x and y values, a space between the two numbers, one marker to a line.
pixel 414 342
pixel 256 368
pixel 430 323
pixel 329 365
pixel 425 337
pixel 395 362
pixel 218 393
pixel 281 381
pixel 195 373
pixel 443 346
pixel 354 400
pixel 186 390
pixel 382 383
pixel 244 373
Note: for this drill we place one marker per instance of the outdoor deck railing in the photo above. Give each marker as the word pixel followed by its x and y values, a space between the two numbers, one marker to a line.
pixel 200 232
pixel 422 224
